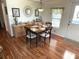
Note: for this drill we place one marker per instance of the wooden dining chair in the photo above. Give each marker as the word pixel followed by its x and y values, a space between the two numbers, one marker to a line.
pixel 30 35
pixel 46 34
pixel 48 24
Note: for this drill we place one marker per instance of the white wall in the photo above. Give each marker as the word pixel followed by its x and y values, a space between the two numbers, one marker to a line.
pixel 21 4
pixel 72 31
pixel 69 32
pixel 48 5
pixel 46 15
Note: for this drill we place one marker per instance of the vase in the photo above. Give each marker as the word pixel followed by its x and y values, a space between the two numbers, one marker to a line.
pixel 15 19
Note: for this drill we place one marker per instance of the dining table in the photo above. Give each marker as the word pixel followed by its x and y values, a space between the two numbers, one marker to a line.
pixel 36 27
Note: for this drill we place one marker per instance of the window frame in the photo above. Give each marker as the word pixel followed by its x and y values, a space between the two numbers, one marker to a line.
pixel 77 16
pixel 58 18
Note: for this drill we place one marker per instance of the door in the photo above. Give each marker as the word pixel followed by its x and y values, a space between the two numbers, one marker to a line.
pixel 73 26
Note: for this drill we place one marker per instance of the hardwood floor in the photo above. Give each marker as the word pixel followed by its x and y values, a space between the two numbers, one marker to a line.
pixel 17 48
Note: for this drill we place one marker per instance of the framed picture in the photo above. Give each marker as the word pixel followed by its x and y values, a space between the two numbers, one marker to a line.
pixel 16 12
pixel 36 12
pixel 28 11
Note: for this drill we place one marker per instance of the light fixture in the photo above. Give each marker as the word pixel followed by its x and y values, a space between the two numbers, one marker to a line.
pixel 40 9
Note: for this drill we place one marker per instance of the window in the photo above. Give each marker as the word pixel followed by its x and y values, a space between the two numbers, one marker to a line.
pixel 56 17
pixel 75 19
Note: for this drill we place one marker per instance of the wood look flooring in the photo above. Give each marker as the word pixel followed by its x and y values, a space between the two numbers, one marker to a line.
pixel 17 48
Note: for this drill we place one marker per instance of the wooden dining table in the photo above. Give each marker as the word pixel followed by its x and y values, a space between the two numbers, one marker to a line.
pixel 37 28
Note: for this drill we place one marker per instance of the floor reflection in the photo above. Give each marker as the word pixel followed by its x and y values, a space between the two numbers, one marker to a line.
pixel 53 43
pixel 69 55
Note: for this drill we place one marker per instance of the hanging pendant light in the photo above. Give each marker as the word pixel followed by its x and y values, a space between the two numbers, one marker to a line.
pixel 40 9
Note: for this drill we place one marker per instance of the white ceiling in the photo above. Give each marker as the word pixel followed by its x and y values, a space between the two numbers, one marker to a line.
pixel 53 2
pixel 50 1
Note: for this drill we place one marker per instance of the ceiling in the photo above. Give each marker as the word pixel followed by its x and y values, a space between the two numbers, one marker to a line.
pixel 50 1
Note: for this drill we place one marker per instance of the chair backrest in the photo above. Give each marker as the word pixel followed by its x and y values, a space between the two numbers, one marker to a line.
pixel 47 32
pixel 48 24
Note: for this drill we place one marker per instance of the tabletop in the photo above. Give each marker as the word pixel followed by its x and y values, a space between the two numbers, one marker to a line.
pixel 36 27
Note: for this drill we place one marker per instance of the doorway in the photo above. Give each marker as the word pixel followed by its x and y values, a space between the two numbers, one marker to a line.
pixel 73 25
pixel 2 25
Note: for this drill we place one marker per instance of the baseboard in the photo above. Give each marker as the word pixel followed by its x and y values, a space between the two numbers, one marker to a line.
pixel 58 34
pixel 71 41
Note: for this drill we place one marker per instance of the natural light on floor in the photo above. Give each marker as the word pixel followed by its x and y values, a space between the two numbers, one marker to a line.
pixel 69 55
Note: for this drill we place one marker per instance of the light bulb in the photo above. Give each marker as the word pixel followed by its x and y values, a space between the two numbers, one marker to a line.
pixel 40 10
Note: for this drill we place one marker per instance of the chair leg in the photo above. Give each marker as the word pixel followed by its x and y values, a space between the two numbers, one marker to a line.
pixel 27 40
pixel 44 41
pixel 30 43
pixel 36 42
pixel 49 39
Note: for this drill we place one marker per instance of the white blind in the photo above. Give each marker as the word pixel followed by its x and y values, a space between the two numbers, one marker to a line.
pixel 56 17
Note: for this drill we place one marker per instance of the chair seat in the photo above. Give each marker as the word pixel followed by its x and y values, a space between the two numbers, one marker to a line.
pixel 32 36
pixel 44 35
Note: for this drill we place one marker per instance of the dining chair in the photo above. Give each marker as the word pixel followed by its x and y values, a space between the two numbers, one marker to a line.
pixel 48 24
pixel 46 34
pixel 30 35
